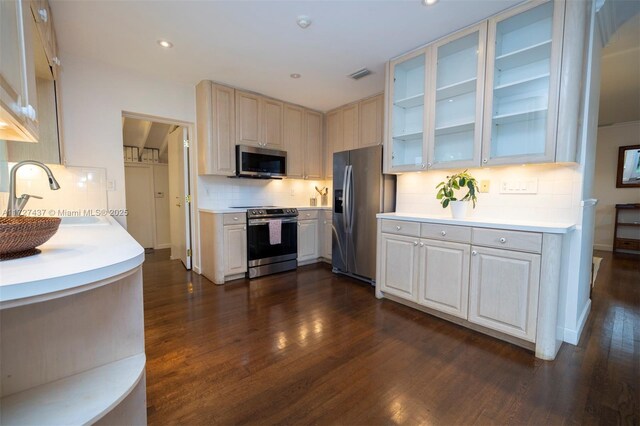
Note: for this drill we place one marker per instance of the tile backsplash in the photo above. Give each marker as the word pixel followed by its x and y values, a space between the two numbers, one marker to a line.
pixel 82 190
pixel 221 192
pixel 557 198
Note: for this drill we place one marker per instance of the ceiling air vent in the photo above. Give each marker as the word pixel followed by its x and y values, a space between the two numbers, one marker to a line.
pixel 360 73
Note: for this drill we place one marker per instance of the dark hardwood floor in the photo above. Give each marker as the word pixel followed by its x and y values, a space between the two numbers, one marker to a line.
pixel 308 347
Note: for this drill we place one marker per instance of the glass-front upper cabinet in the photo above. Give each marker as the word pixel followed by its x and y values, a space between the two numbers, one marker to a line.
pixel 521 99
pixel 406 127
pixel 455 136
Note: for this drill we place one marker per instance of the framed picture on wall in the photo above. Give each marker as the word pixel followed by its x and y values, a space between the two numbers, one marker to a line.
pixel 628 167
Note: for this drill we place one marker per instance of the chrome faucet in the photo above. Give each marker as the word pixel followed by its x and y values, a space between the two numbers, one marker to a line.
pixel 15 206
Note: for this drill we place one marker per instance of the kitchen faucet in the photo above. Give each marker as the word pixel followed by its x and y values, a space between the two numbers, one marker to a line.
pixel 15 206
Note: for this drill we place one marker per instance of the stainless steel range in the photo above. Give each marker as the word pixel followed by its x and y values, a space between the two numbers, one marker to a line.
pixel 272 240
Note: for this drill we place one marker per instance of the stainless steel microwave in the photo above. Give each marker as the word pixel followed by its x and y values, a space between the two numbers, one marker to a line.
pixel 260 162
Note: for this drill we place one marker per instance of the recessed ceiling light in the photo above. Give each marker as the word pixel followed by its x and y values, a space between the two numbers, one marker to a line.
pixel 429 2
pixel 166 44
pixel 295 75
pixel 303 21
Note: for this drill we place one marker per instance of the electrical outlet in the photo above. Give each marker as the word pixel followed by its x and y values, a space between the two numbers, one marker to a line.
pixel 529 186
pixel 484 185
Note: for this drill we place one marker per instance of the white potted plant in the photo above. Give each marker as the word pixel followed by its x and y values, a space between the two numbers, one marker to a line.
pixel 447 193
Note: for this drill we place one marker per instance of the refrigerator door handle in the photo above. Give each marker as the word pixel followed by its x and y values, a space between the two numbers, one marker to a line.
pixel 351 204
pixel 346 191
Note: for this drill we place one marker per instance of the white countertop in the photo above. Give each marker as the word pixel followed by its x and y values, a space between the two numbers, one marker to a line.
pixel 518 225
pixel 236 210
pixel 77 255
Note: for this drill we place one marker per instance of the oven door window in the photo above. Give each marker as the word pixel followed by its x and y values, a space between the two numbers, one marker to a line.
pixel 259 247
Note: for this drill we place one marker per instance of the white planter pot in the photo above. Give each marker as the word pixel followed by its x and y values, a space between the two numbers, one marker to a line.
pixel 459 209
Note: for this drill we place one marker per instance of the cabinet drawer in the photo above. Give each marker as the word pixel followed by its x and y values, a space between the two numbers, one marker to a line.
pixel 234 218
pixel 401 227
pixel 514 240
pixel 307 214
pixel 460 234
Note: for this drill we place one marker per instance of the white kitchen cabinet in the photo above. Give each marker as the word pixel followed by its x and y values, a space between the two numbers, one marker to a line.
pixel 327 234
pixel 44 23
pixel 350 126
pixel 294 137
pixel 444 276
pixel 18 97
pixel 308 239
pixel 333 139
pixel 371 121
pixel 407 87
pixel 235 249
pixel 272 113
pixel 503 282
pixel 313 145
pixel 398 262
pixel 248 119
pixel 503 291
pixel 454 134
pixel 215 112
pixel 523 74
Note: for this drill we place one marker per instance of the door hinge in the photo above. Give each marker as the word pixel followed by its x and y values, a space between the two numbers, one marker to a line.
pixel 188 198
pixel 188 252
pixel 186 143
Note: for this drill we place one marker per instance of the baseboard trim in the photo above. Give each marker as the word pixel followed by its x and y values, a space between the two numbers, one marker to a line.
pixel 603 247
pixel 197 270
pixel 162 246
pixel 573 336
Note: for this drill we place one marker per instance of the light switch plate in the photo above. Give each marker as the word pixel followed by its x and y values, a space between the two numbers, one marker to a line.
pixel 111 185
pixel 519 186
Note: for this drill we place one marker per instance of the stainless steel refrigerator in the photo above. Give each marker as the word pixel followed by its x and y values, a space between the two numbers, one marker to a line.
pixel 360 191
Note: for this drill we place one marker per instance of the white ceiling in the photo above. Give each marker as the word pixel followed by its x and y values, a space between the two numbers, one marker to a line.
pixel 620 76
pixel 256 45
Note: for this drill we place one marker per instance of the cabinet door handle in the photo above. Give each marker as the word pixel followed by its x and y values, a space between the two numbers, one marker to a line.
pixel 474 253
pixel 244 228
pixel 398 227
pixel 484 161
pixel 429 164
pixel 56 61
pixel 443 233
pixel 421 244
pixel 415 243
pixel 503 240
pixel 422 166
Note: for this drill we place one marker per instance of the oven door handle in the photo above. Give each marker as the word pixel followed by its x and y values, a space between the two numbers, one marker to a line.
pixel 257 222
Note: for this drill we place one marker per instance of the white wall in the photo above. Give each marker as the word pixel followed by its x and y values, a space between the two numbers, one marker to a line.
pixel 221 192
pixel 610 138
pixel 557 199
pixel 94 95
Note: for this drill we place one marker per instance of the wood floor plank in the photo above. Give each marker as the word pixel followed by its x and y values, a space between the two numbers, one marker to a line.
pixel 310 347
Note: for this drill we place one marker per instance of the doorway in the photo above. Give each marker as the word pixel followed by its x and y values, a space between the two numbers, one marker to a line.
pixel 157 184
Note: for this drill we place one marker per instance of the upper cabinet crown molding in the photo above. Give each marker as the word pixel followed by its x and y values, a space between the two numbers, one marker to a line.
pixel 505 91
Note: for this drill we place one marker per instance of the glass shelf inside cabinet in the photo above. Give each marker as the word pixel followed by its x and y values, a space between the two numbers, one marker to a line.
pixel 408 111
pixel 455 108
pixel 521 83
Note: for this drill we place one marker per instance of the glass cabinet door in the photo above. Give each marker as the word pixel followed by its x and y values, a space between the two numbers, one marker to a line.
pixel 407 113
pixel 522 79
pixel 456 104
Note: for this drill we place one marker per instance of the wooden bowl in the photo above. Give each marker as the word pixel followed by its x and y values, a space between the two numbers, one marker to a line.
pixel 20 235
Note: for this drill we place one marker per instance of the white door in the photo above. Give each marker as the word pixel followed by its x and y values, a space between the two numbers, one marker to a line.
pixel 444 276
pixel 180 209
pixel 503 292
pixel 140 202
pixel 399 266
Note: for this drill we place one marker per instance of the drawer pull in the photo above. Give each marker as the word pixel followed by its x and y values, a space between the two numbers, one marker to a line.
pixel 503 240
pixel 415 243
pixel 443 233
pixel 421 244
pixel 398 227
pixel 308 214
pixel 235 218
pixel 474 253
